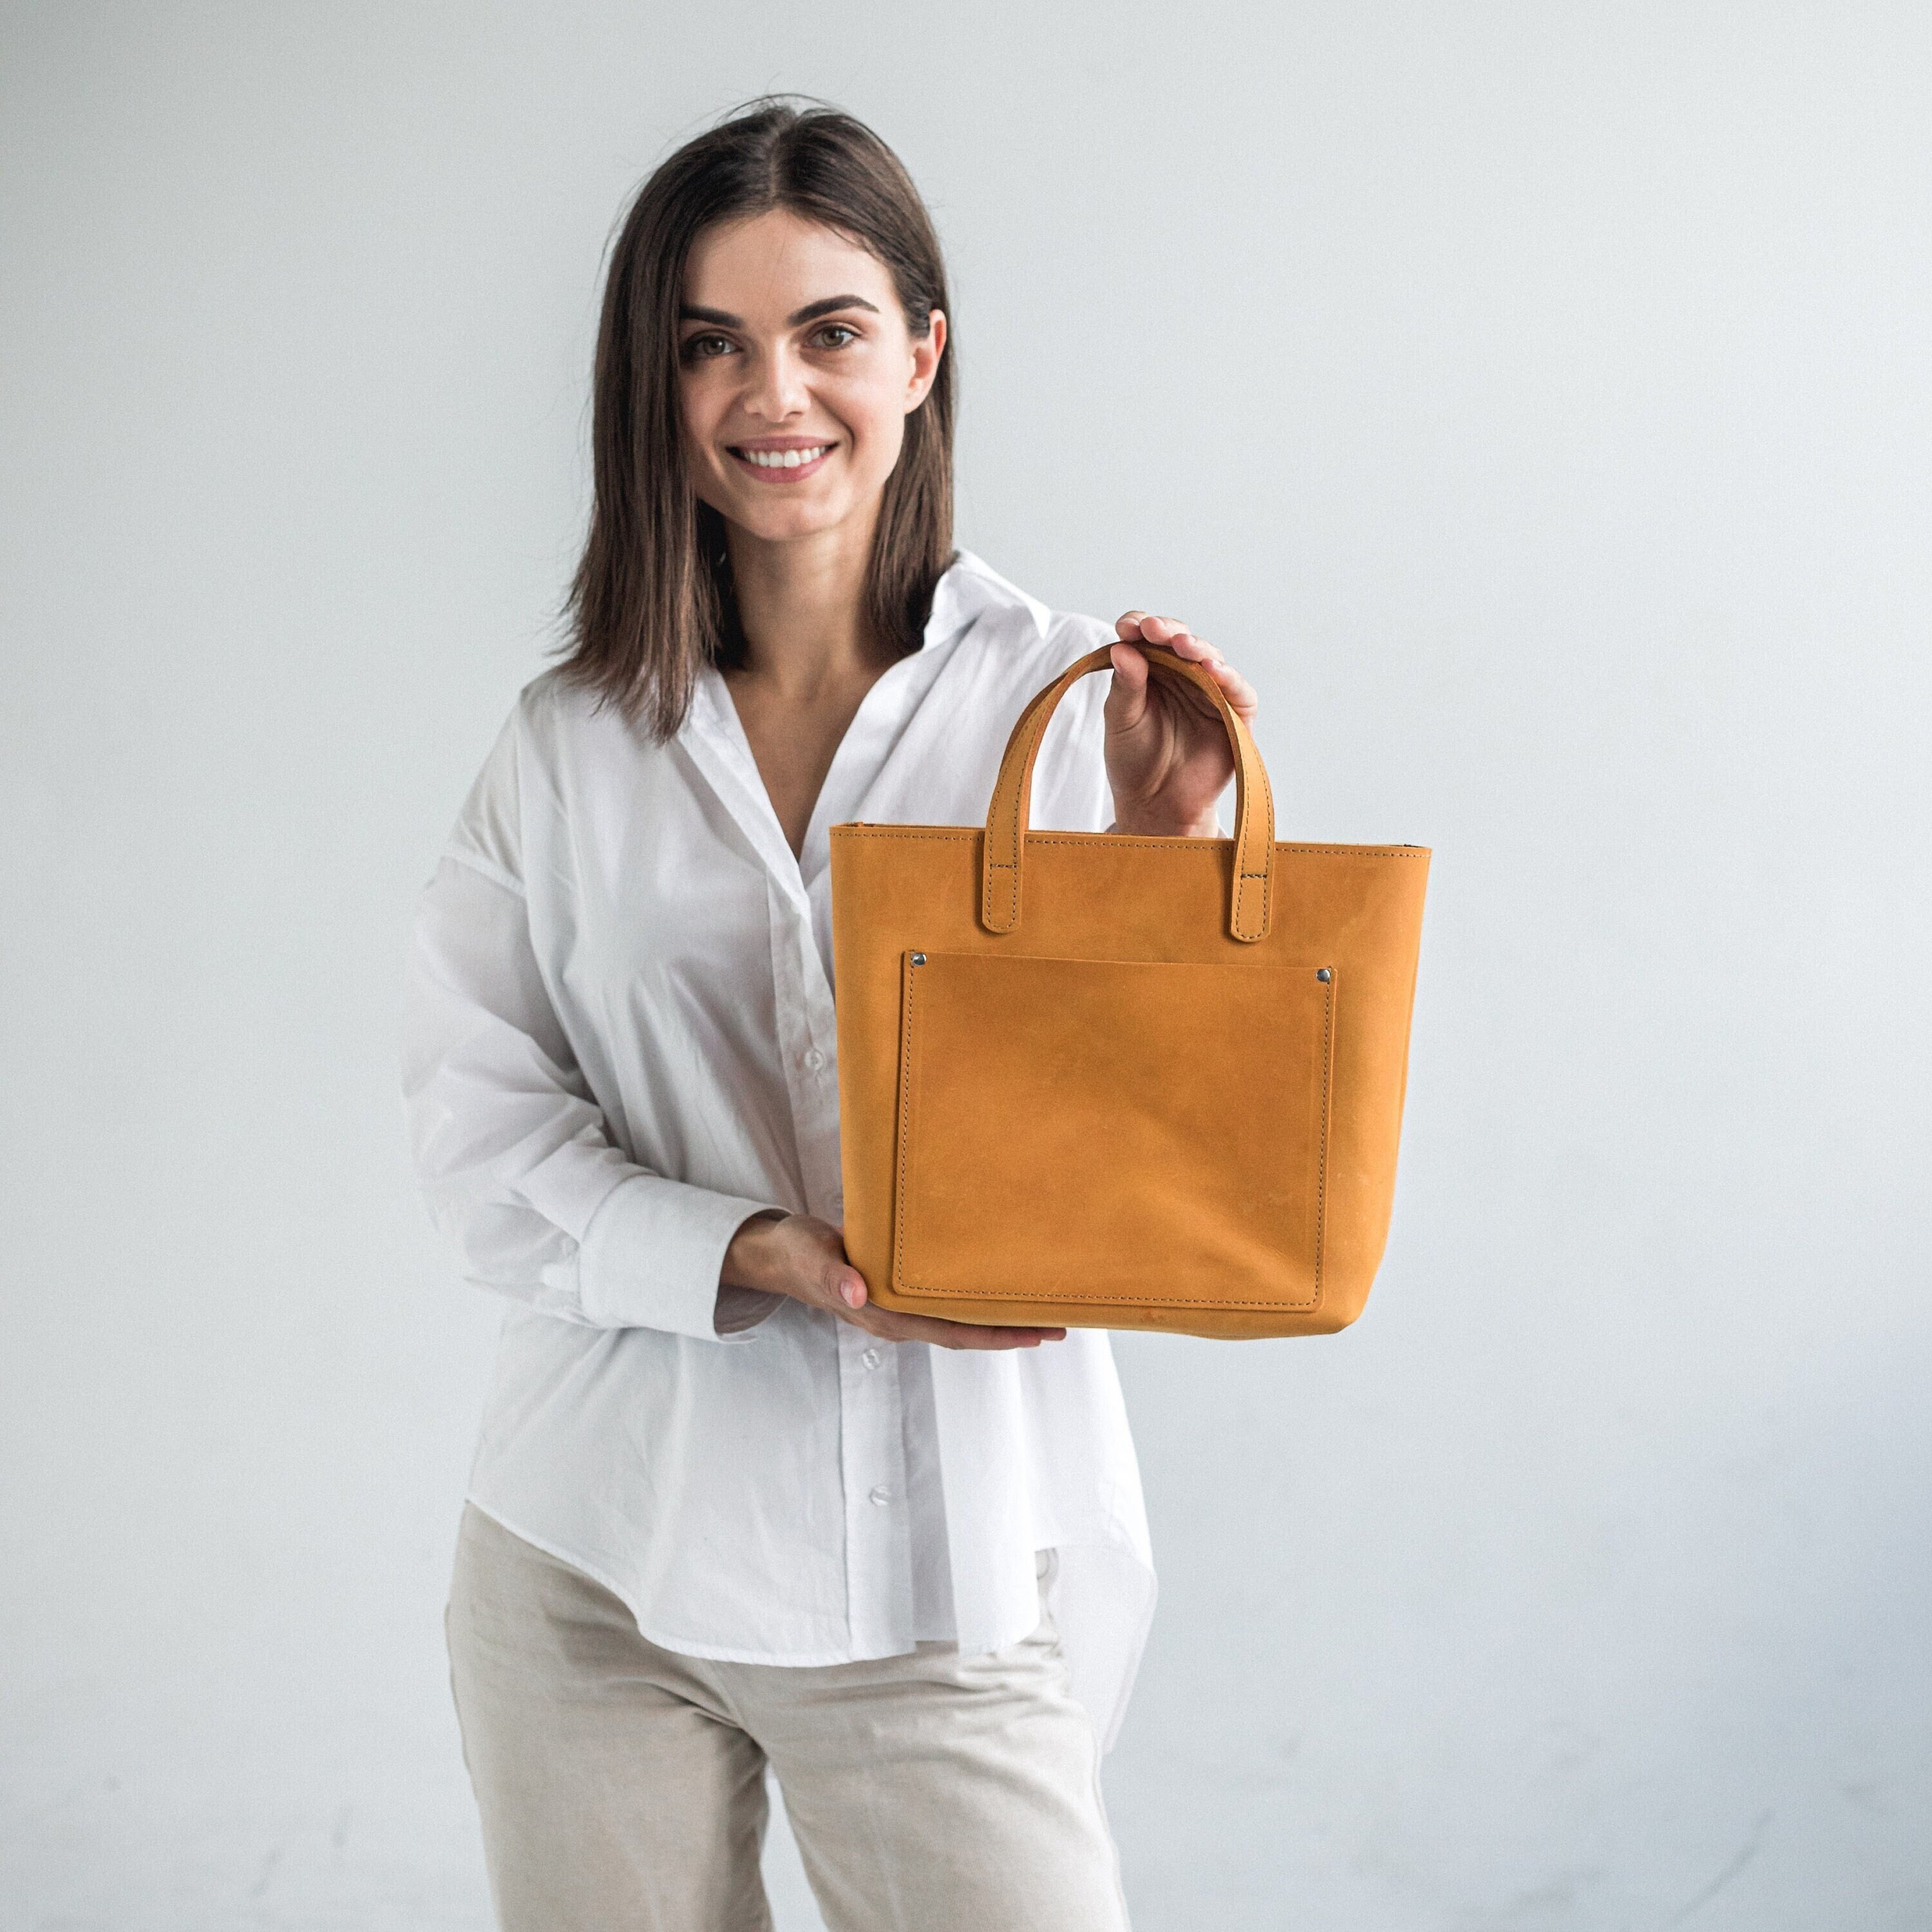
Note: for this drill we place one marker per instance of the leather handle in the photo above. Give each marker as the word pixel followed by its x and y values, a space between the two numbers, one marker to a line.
pixel 1003 848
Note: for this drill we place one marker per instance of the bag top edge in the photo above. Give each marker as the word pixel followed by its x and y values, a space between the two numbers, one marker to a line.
pixel 862 828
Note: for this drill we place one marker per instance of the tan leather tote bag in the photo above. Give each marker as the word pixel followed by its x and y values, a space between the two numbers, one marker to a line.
pixel 1109 1081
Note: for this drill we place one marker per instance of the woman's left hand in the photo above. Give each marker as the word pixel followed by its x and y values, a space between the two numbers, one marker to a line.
pixel 1168 755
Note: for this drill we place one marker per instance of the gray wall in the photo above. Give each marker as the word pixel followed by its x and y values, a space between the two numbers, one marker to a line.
pixel 1533 400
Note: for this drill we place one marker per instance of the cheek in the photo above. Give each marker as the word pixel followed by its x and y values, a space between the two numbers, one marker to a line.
pixel 700 405
pixel 874 412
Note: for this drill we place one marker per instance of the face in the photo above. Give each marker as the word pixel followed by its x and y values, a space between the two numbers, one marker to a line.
pixel 795 374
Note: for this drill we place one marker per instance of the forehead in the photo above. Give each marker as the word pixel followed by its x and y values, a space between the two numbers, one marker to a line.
pixel 764 266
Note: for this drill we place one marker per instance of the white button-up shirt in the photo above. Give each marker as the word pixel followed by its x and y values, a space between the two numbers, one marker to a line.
pixel 620 1042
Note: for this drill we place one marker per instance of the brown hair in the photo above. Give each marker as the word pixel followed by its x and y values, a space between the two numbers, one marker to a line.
pixel 652 601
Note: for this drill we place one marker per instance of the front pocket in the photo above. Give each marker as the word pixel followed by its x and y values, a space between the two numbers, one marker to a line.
pixel 1138 1133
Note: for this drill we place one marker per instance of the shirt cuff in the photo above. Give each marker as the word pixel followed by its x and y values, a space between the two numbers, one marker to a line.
pixel 652 1256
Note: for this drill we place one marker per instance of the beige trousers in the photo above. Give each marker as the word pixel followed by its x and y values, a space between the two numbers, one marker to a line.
pixel 622 1787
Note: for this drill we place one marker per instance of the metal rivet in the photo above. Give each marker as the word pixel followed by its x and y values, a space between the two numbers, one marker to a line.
pixel 919 959
pixel 1323 973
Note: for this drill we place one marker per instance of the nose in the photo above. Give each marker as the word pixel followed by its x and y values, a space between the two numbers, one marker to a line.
pixel 777 388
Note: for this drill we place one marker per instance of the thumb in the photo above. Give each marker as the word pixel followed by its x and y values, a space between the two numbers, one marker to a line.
pixel 847 1284
pixel 1127 697
pixel 843 1282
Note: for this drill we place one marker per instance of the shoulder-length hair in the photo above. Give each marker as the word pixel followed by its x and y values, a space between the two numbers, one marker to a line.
pixel 652 602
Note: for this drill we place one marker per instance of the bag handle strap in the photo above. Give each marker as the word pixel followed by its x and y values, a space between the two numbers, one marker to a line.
pixel 1003 848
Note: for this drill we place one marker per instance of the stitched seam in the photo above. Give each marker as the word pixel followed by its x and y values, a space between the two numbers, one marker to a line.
pixel 1267 877
pixel 901 1286
pixel 1197 846
pixel 1016 832
pixel 1011 832
pixel 1239 737
pixel 901 1207
pixel 1243 881
pixel 998 906
pixel 1104 1301
pixel 1321 1164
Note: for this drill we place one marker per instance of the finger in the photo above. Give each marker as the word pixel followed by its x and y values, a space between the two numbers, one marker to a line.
pixel 1176 636
pixel 1238 692
pixel 1163 630
pixel 1185 644
pixel 889 1325
pixel 971 1335
pixel 1241 695
pixel 1148 628
pixel 1171 693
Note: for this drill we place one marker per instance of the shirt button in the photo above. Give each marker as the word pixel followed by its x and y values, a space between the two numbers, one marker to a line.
pixel 882 1495
pixel 814 1058
pixel 871 1358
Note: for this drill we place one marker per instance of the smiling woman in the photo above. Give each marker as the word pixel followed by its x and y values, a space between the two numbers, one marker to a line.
pixel 725 1510
pixel 777 278
pixel 796 406
pixel 852 363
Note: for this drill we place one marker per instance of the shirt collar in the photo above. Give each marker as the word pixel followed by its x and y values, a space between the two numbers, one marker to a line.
pixel 713 738
pixel 966 590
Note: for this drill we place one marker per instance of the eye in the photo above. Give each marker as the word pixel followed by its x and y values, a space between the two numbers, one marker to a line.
pixel 702 348
pixel 835 335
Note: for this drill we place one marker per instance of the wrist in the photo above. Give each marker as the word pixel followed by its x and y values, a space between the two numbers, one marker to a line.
pixel 1146 824
pixel 750 1259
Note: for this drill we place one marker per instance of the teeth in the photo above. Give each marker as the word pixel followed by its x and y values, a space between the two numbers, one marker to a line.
pixel 783 459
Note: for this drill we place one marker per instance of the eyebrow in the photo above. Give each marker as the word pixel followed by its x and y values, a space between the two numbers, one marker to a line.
pixel 812 311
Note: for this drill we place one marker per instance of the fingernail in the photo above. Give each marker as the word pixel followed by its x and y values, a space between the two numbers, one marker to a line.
pixel 854 1295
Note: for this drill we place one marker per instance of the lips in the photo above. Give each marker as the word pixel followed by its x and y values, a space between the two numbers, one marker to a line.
pixel 781 462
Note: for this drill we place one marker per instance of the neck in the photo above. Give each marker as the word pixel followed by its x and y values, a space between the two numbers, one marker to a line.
pixel 803 605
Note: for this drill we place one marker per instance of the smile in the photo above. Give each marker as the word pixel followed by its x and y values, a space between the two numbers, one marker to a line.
pixel 786 466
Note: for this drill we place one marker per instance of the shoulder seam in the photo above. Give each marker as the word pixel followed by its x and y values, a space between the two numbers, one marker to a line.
pixel 486 869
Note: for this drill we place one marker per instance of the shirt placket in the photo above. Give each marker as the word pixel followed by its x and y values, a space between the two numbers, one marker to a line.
pixel 878 1545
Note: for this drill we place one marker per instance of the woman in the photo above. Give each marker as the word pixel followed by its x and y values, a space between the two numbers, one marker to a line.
pixel 723 1510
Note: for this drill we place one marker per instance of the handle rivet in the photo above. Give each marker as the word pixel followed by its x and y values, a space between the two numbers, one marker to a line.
pixel 919 959
pixel 1323 973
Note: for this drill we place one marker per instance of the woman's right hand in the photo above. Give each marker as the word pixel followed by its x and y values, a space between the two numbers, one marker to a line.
pixel 802 1256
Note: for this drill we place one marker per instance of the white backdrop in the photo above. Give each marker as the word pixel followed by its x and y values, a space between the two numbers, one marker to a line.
pixel 1533 399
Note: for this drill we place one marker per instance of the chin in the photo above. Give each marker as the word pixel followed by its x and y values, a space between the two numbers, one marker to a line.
pixel 786 523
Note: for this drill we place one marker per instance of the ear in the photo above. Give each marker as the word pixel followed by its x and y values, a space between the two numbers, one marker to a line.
pixel 926 351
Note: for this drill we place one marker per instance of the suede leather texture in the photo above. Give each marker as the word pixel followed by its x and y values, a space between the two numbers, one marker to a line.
pixel 1101 1081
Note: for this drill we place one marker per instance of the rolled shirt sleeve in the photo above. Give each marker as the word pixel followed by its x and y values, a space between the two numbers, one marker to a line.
pixel 652 1254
